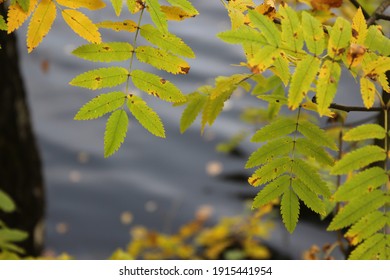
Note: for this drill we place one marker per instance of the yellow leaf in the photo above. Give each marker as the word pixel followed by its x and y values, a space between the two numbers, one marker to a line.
pixel 88 4
pixel 368 90
pixel 16 16
pixel 355 55
pixel 359 28
pixel 126 25
pixel 175 13
pixel 40 23
pixel 82 25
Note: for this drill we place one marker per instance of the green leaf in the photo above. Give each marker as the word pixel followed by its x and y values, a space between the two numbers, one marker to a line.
pixel 271 191
pixel 366 227
pixel 308 197
pixel 281 68
pixel 263 59
pixel 339 38
pixel 166 41
pixel 310 177
pixel 162 60
pixel 276 129
pixel 308 148
pixel 228 84
pixel 376 41
pixel 370 248
pixel 101 78
pixel 157 16
pixel 361 183
pixel 275 99
pixel 194 107
pixel 185 5
pixel 243 34
pixel 156 86
pixel 12 235
pixel 3 24
pixel 6 203
pixel 358 208
pixel 146 116
pixel 105 52
pixel 313 34
pixel 101 105
pixel 24 4
pixel 270 171
pixel 289 207
pixel 292 35
pixel 316 134
pixel 115 133
pixel 301 80
pixel 358 158
pixel 364 132
pixel 267 152
pixel 267 27
pixel 328 81
pixel 117 5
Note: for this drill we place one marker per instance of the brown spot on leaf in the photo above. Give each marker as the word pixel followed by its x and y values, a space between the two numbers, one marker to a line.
pixel 98 79
pixel 184 70
pixel 106 48
pixel 355 33
pixel 163 81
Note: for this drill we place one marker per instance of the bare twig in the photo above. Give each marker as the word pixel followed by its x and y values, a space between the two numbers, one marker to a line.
pixel 355 108
pixel 378 12
pixel 357 5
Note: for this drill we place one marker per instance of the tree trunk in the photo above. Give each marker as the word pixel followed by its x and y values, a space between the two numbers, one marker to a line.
pixel 20 165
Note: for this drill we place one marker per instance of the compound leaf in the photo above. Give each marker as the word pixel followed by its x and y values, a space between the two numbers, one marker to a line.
pixel 101 78
pixel 105 52
pixel 116 129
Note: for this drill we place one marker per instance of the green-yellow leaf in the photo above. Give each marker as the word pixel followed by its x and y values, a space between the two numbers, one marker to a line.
pixel 135 6
pixel 270 171
pixel 263 59
pixel 376 67
pixel 364 132
pixel 276 129
pixel 88 4
pixel 370 248
pixel 157 16
pixel 156 86
pixel 267 27
pixel 308 197
pixel 339 38
pixel 361 183
pixel 281 68
pixel 313 34
pixel 145 115
pixel 6 202
pixel 82 25
pixel 166 41
pixel 105 52
pixel 309 148
pixel 327 84
pixel 116 129
pixel 301 80
pixel 3 24
pixel 194 107
pixel 358 158
pixel 175 13
pixel 185 5
pixel 117 5
pixel 267 152
pixel 376 41
pixel 101 105
pixel 241 35
pixel 358 208
pixel 271 191
pixel 292 35
pixel 101 78
pixel 12 235
pixel 126 25
pixel 316 134
pixel 359 28
pixel 213 108
pixel 228 84
pixel 367 89
pixel 289 208
pixel 24 4
pixel 162 60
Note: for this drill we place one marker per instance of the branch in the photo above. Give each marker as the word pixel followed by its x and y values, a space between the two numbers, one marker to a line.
pixel 356 108
pixel 357 6
pixel 378 12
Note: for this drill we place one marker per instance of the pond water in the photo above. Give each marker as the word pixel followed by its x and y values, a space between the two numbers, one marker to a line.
pixel 160 182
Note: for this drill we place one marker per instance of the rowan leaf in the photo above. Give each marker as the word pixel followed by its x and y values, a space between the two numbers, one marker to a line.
pixel 40 23
pixel 135 6
pixel 359 28
pixel 88 4
pixel 24 4
pixel 157 16
pixel 268 29
pixel 117 5
pixel 6 203
pixel 228 84
pixel 367 89
pixel 271 191
pixel 213 108
pixel 301 80
pixel 278 147
pixel 194 107
pixel 156 86
pixel 105 52
pixel 241 35
pixel 263 59
pixel 16 16
pixel 270 171
pixel 376 41
pixel 276 129
pixel 358 158
pixel 101 105
pixel 313 34
pixel 289 208
pixel 361 183
pixel 101 78
pixel 166 41
pixel 308 148
pixel 377 67
pixel 82 25
pixel 316 134
pixel 292 35
pixel 126 25
pixel 185 5
pixel 358 208
pixel 3 24
pixel 327 84
pixel 281 69
pixel 364 132
pixel 175 13
pixel 308 197
pixel 370 248
pixel 162 60
pixel 145 115
pixel 339 38
pixel 116 129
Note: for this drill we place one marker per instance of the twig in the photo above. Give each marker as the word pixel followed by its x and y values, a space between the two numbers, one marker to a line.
pixel 357 5
pixel 355 108
pixel 379 11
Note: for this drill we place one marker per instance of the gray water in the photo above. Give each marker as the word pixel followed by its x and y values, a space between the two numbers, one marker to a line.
pixel 160 181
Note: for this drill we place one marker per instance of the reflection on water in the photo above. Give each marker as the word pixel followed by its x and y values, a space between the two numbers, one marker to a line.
pixel 158 183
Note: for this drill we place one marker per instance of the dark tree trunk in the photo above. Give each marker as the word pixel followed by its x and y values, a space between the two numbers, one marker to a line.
pixel 20 165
